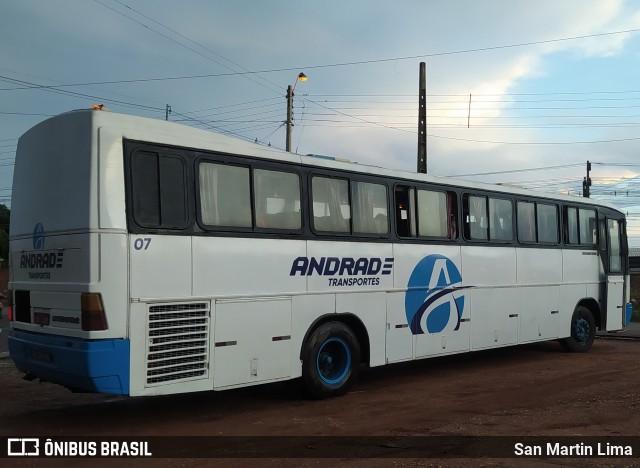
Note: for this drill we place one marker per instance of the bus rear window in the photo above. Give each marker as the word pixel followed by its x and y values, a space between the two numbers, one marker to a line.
pixel 159 193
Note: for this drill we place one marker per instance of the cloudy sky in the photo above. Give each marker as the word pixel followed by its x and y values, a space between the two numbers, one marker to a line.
pixel 514 88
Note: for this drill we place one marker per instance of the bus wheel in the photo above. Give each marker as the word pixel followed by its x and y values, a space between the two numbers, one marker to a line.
pixel 330 360
pixel 583 331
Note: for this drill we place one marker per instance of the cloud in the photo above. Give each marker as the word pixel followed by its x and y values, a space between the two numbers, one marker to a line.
pixel 70 41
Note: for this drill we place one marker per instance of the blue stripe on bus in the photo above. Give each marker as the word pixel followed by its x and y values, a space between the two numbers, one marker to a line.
pixel 100 366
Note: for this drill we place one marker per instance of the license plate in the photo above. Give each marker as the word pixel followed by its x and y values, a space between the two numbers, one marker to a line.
pixel 41 318
pixel 41 355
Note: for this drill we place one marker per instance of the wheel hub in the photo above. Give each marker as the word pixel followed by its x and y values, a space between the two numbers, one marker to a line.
pixel 581 329
pixel 334 361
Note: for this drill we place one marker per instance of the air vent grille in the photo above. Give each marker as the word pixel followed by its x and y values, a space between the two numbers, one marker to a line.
pixel 178 343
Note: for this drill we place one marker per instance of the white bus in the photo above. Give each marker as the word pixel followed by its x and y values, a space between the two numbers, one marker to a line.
pixel 152 258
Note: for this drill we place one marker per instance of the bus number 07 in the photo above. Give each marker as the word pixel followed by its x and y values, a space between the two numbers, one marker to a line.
pixel 142 243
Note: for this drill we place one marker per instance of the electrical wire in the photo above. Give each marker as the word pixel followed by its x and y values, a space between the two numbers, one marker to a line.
pixel 354 63
pixel 82 95
pixel 276 90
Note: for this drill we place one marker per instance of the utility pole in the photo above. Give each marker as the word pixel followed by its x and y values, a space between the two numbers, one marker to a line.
pixel 586 182
pixel 422 120
pixel 289 116
pixel 290 92
pixel 167 112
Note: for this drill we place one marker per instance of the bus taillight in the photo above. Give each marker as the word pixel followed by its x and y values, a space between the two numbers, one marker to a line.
pixel 93 316
pixel 10 305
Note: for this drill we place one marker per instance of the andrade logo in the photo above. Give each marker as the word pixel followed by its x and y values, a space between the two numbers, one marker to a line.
pixel 434 301
pixel 38 237
pixel 40 259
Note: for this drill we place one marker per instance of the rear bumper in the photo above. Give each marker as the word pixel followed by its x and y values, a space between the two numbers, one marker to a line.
pixel 100 366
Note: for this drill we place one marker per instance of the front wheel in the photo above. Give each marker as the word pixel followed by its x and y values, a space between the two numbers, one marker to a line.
pixel 583 331
pixel 330 360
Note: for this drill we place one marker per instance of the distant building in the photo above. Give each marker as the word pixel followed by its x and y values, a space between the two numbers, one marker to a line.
pixel 634 260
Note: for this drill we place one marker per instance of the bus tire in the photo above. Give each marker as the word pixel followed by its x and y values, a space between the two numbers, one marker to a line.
pixel 583 331
pixel 330 361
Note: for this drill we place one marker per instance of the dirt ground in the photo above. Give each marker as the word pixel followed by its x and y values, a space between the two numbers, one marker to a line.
pixel 519 391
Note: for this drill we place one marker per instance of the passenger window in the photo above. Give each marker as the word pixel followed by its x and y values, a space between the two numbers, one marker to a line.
pixel 433 214
pixel 331 209
pixel 224 195
pixel 571 220
pixel 488 219
pixel 588 227
pixel 501 219
pixel 276 199
pixel 537 223
pixel 369 208
pixel 477 221
pixel 425 213
pixel 580 226
pixel 547 223
pixel 526 222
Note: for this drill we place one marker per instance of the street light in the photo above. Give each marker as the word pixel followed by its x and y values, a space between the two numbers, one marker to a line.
pixel 290 91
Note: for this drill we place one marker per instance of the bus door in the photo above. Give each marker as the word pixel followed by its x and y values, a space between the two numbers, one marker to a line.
pixel 612 250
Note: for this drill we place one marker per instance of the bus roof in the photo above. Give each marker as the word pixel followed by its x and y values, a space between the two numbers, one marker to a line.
pixel 175 134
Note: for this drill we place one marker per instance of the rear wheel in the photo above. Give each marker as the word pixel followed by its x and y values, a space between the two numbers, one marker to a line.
pixel 583 331
pixel 330 360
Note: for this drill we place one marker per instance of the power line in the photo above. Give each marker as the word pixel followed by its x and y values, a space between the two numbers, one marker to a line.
pixel 233 105
pixel 46 79
pixel 26 114
pixel 344 64
pixel 547 143
pixel 466 95
pixel 377 124
pixel 53 89
pixel 543 168
pixel 181 44
pixel 246 112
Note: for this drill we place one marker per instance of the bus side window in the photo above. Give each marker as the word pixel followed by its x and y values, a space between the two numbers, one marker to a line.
pixel 276 199
pixel 588 226
pixel 405 226
pixel 432 214
pixel 526 222
pixel 571 225
pixel 547 223
pixel 369 208
pixel 500 219
pixel 476 225
pixel 224 195
pixel 330 202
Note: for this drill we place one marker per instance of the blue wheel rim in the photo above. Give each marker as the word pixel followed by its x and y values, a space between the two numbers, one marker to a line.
pixel 333 361
pixel 581 330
